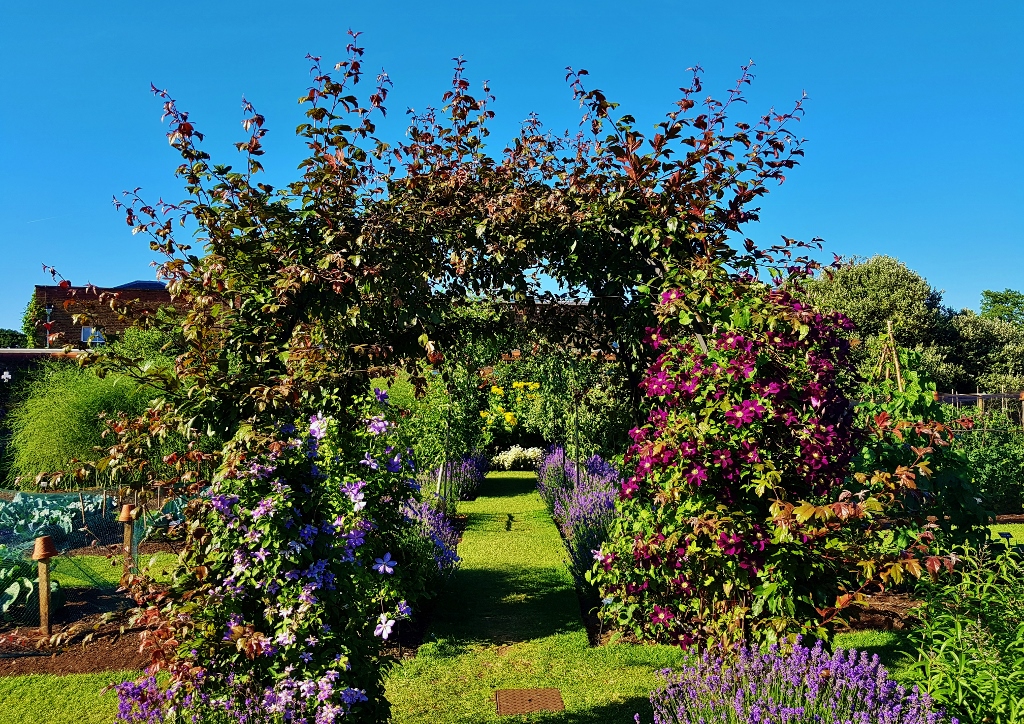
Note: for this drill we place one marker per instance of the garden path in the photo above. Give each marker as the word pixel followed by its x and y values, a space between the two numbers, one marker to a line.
pixel 510 619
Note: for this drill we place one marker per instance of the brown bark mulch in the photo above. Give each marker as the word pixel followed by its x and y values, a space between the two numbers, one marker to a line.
pixel 110 651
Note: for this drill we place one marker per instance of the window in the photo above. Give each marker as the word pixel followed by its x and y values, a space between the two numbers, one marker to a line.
pixel 92 337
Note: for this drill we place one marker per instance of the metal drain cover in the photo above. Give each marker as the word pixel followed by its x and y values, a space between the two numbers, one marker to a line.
pixel 524 701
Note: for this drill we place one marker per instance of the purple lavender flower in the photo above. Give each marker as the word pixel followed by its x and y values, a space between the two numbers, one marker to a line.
pixel 802 685
pixel 438 528
pixel 582 501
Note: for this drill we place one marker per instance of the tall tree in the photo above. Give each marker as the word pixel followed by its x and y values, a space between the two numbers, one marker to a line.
pixel 1007 305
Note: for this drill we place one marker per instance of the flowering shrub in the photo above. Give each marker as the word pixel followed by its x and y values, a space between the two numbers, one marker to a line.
pixel 518 458
pixel 741 517
pixel 506 408
pixel 582 501
pixel 801 686
pixel 299 562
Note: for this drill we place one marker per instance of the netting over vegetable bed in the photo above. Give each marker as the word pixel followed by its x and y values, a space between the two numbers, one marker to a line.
pixel 86 573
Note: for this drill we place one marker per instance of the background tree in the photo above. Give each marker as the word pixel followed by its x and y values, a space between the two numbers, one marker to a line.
pixel 881 289
pixel 10 338
pixel 1007 305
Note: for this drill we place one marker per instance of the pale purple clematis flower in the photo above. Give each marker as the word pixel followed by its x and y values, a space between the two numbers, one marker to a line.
pixel 317 426
pixel 404 610
pixel 385 564
pixel 384 625
pixel 377 425
pixel 382 396
pixel 369 462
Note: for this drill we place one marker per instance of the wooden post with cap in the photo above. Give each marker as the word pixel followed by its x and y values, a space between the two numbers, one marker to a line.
pixel 43 552
pixel 127 517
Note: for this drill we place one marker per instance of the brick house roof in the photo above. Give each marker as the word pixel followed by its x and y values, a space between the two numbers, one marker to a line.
pixel 146 295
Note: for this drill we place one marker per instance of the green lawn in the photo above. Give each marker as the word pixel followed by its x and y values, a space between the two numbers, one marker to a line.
pixel 74 699
pixel 103 572
pixel 1014 529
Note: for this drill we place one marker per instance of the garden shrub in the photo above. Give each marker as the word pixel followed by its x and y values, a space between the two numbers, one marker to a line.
pixel 12 339
pixel 299 562
pixel 56 422
pixel 441 425
pixel 798 686
pixel 518 458
pixel 557 397
pixel 741 519
pixel 902 422
pixel 970 644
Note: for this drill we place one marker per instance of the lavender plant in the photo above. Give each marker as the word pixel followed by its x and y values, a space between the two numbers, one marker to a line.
pixel 581 498
pixel 465 476
pixel 792 687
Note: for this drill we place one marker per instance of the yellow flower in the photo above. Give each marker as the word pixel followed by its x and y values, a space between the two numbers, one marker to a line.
pixel 535 386
pixel 484 414
pixel 518 385
pixel 510 418
pixel 495 390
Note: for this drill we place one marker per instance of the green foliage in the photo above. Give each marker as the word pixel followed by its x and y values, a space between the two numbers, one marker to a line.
pixel 1007 305
pixel 927 476
pixel 443 424
pixel 990 351
pixel 34 313
pixel 10 338
pixel 55 423
pixel 19 593
pixel 970 646
pixel 560 397
pixel 994 449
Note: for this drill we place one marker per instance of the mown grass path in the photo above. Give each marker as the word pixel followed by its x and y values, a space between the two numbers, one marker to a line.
pixel 510 619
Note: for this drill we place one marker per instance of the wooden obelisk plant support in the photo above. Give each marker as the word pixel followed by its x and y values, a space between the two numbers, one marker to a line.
pixel 889 360
pixel 43 552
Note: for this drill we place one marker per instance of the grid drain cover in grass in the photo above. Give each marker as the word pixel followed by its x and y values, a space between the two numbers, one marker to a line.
pixel 524 701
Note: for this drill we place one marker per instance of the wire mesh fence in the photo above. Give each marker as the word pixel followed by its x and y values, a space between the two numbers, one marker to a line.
pixel 84 561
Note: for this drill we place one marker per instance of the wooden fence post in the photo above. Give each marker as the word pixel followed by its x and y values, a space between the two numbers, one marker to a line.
pixel 44 551
pixel 128 519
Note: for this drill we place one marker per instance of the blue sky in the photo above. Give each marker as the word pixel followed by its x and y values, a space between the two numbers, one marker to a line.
pixel 911 113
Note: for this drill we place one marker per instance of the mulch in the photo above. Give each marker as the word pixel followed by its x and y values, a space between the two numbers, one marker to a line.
pixel 145 549
pixel 109 650
pixel 1010 519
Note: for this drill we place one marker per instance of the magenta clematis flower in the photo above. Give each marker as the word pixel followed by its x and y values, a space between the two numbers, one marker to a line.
pixel 661 615
pixel 697 476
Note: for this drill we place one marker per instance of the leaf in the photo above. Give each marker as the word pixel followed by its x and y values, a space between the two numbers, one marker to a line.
pixel 804 512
